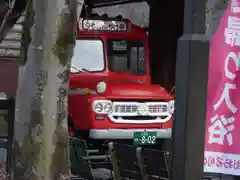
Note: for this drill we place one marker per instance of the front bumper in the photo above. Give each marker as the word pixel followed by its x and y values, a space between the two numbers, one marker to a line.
pixel 126 133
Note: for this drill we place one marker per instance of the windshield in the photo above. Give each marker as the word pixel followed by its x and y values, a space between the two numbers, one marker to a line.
pixel 127 56
pixel 88 56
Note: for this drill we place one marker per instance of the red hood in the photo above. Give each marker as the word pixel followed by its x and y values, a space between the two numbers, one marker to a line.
pixel 136 91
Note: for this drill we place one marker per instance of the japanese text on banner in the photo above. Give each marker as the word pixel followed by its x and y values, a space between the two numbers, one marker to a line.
pixel 221 128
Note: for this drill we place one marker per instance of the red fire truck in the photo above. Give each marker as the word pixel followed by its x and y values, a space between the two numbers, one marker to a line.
pixel 111 95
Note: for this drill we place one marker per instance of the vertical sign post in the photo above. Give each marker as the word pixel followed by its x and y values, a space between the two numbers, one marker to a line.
pixel 191 90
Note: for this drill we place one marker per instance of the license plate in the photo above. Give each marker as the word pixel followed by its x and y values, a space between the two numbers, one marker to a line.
pixel 144 138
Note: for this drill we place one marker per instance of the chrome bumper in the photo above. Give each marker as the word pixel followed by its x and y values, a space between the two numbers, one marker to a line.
pixel 126 133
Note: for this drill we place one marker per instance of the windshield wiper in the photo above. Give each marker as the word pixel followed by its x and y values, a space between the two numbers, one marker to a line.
pixel 80 70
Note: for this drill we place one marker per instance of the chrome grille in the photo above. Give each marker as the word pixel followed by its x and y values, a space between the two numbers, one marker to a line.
pixel 125 108
pixel 128 112
pixel 158 108
pixel 132 108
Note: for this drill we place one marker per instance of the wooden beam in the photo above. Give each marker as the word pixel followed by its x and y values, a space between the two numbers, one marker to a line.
pixel 191 93
pixel 104 3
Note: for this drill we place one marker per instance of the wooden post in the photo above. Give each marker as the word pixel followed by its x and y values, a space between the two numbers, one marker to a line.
pixel 191 90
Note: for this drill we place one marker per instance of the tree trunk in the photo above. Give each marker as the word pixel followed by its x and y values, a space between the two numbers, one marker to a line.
pixel 41 133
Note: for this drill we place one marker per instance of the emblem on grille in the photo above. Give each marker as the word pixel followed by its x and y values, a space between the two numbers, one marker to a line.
pixel 142 109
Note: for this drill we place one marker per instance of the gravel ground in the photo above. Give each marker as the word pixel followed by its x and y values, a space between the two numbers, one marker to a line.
pixel 103 174
pixel 3 174
pixel 99 175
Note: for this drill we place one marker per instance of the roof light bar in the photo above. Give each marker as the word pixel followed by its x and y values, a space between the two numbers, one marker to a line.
pixel 100 25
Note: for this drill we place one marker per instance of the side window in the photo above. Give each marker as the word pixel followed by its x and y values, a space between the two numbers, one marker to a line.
pixel 141 59
pixel 118 55
pixel 137 59
pixel 127 56
pixel 134 60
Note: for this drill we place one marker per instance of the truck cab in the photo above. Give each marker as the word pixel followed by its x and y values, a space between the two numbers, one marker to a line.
pixel 111 92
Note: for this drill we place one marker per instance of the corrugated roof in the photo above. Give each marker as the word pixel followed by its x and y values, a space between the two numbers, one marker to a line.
pixel 10 46
pixel 137 12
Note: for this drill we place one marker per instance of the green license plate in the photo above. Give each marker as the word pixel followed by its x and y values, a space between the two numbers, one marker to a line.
pixel 144 138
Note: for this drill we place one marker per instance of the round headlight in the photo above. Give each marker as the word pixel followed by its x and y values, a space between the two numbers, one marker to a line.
pixel 98 108
pixel 171 106
pixel 108 108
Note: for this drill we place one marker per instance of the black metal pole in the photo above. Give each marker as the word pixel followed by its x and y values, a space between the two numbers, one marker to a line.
pixel 191 86
pixel 11 115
